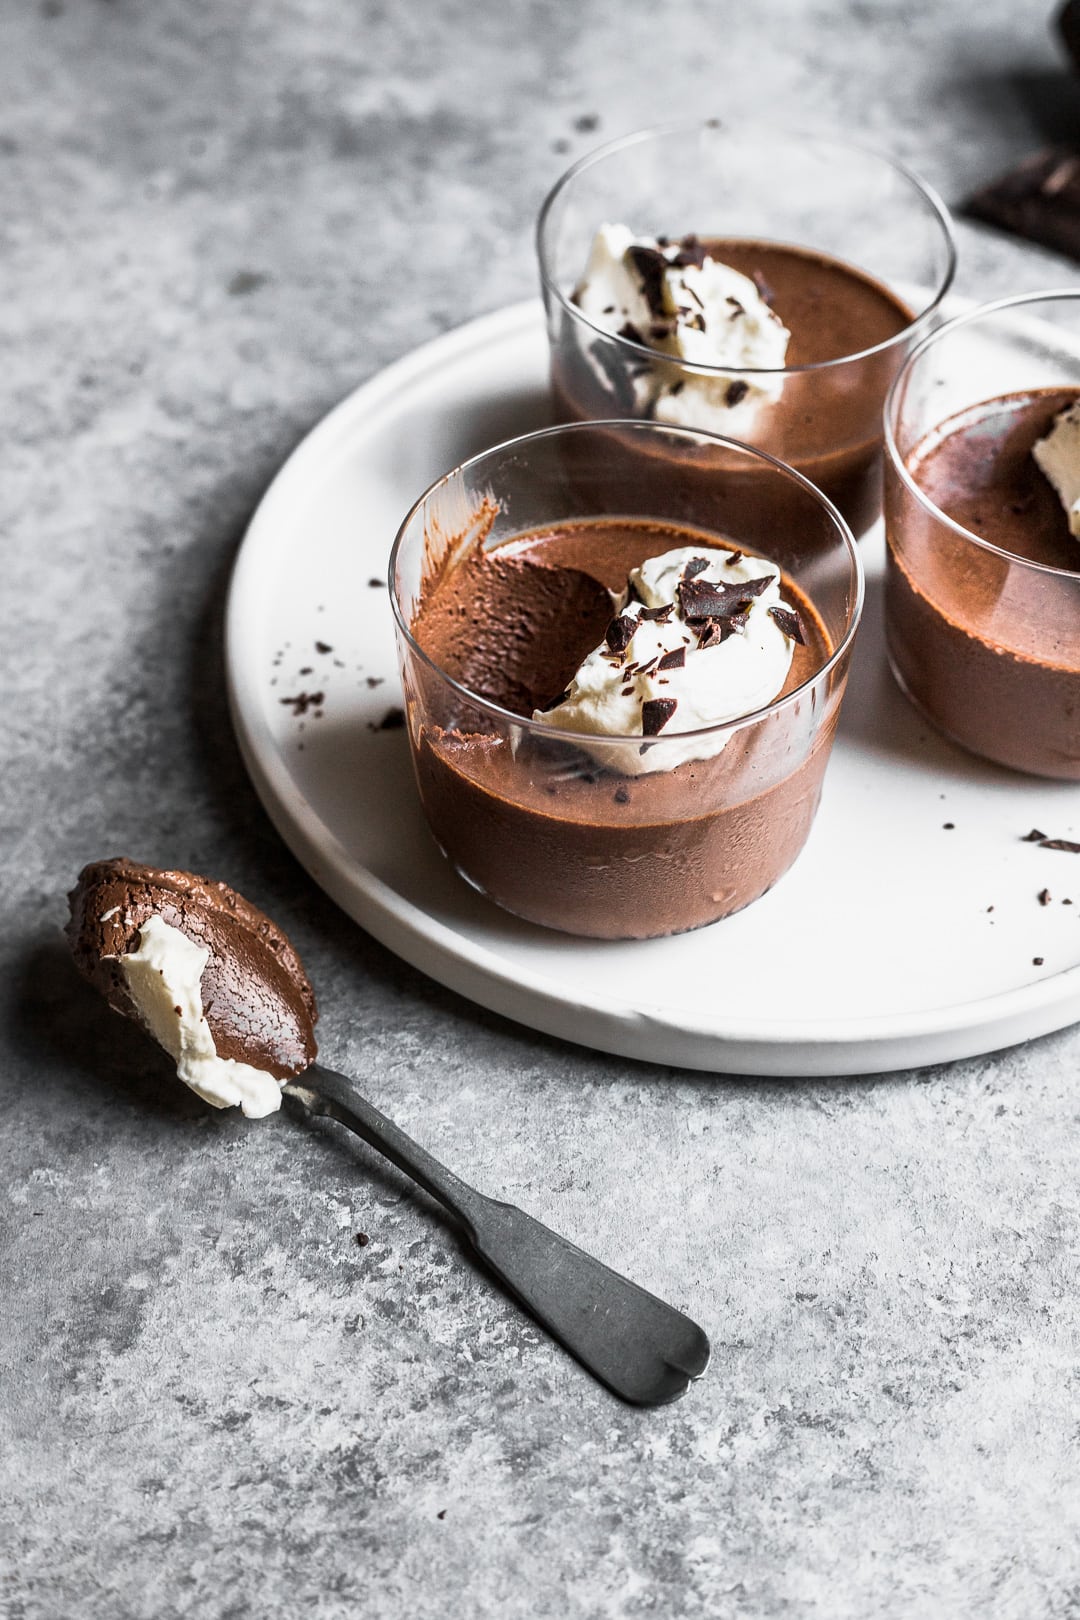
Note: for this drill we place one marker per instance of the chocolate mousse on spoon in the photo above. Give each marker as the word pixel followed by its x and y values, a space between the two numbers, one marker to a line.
pixel 220 987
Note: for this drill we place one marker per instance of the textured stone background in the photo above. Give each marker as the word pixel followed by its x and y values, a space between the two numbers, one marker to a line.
pixel 216 219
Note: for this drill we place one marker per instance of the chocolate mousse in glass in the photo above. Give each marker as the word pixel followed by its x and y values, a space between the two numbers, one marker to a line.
pixel 982 481
pixel 622 690
pixel 826 263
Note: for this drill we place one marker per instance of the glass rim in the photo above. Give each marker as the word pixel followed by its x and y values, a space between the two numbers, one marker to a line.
pixel 636 425
pixel 675 126
pixel 892 404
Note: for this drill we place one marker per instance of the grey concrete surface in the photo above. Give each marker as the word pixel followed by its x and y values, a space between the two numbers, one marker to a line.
pixel 216 219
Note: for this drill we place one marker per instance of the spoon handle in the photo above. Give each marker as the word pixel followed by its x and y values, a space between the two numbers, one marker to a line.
pixel 644 1350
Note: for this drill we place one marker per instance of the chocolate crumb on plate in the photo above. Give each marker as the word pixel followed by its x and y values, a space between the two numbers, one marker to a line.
pixel 948 826
pixel 1037 961
pixel 323 647
pixel 1033 837
pixel 1060 843
pixel 1043 897
pixel 376 584
pixel 362 1240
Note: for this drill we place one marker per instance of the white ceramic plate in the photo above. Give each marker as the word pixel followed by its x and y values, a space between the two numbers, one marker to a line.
pixel 893 942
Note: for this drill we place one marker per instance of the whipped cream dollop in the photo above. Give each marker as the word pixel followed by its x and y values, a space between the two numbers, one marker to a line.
pixel 163 979
pixel 672 296
pixel 1058 456
pixel 702 637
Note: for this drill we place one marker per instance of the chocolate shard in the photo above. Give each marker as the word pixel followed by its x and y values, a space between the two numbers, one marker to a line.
pixel 701 599
pixel 655 714
pixel 736 391
pixel 659 615
pixel 765 292
pixel 790 624
pixel 1060 843
pixel 713 633
pixel 620 632
pixel 696 565
pixel 673 660
pixel 609 359
pixel 733 557
pixel 1033 837
pixel 691 252
pixel 1038 200
pixel 650 265
pixel 1043 897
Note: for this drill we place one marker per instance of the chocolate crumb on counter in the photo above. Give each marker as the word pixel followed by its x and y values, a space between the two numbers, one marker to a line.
pixel 1043 897
pixel 323 647
pixel 948 826
pixel 1037 961
pixel 1033 837
pixel 362 1240
pixel 1060 843
pixel 377 584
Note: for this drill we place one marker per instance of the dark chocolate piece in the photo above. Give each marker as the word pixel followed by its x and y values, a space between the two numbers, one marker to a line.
pixel 673 660
pixel 620 633
pixel 737 390
pixel 766 293
pixel 323 647
pixel 377 584
pixel 650 265
pixel 696 565
pixel 1033 837
pixel 790 624
pixel 1060 843
pixel 1043 897
pixel 1038 200
pixel 733 558
pixel 655 714
pixel 1037 961
pixel 702 599
pixel 659 615
pixel 303 701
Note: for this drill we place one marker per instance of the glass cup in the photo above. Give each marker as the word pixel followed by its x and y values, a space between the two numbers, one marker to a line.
pixel 985 642
pixel 634 838
pixel 813 198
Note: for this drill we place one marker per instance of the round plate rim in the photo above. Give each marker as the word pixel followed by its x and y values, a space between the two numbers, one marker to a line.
pixel 873 1043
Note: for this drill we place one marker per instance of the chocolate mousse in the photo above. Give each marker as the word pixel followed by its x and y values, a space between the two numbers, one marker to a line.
pixel 986 645
pixel 250 988
pixel 825 421
pixel 586 833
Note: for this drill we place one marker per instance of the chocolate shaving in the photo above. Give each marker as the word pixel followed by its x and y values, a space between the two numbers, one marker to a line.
pixel 701 599
pixel 620 633
pixel 790 624
pixel 650 265
pixel 691 252
pixel 737 391
pixel 1043 897
pixel 713 633
pixel 377 584
pixel 323 647
pixel 733 558
pixel 655 714
pixel 1033 837
pixel 696 565
pixel 673 660
pixel 765 292
pixel 619 380
pixel 659 615
pixel 1037 961
pixel 1060 843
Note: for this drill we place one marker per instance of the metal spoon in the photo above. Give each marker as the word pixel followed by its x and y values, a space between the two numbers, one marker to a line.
pixel 644 1350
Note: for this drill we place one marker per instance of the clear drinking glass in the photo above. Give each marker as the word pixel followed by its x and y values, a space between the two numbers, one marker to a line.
pixel 824 196
pixel 636 840
pixel 986 643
